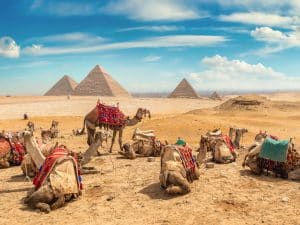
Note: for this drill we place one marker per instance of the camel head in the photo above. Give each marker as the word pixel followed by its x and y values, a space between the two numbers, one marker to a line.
pixel 139 114
pixel 204 143
pixel 54 124
pixel 142 113
pixel 261 136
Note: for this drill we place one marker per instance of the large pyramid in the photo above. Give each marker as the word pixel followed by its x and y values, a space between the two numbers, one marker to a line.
pixel 184 90
pixel 100 83
pixel 65 86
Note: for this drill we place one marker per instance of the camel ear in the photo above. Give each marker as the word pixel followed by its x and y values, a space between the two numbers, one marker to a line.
pixel 166 142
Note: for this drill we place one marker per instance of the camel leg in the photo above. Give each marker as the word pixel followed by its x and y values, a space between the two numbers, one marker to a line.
pixel 43 207
pixel 120 138
pixel 91 136
pixel 179 185
pixel 60 201
pixel 113 140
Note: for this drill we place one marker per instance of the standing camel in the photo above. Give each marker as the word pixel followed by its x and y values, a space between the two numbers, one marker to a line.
pixel 91 121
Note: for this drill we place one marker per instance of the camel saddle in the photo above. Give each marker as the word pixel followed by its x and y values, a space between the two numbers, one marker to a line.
pixel 5 147
pixel 274 150
pixel 61 170
pixel 188 160
pixel 110 115
pixel 143 134
pixel 16 150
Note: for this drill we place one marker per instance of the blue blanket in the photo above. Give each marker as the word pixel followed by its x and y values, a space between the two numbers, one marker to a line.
pixel 274 150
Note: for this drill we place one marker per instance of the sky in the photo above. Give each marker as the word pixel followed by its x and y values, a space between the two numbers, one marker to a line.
pixel 150 46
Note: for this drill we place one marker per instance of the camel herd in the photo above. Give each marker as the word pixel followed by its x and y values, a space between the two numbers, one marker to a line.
pixel 57 171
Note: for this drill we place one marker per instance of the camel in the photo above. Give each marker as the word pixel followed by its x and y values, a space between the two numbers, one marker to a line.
pixel 50 133
pixel 62 183
pixel 283 169
pixel 220 146
pixel 91 121
pixel 236 135
pixel 174 178
pixel 30 126
pixel 141 148
pixel 143 144
pixel 30 169
pixel 12 150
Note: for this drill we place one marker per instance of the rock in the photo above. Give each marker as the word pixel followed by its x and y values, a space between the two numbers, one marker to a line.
pixel 150 159
pixel 210 165
pixel 285 199
pixel 109 198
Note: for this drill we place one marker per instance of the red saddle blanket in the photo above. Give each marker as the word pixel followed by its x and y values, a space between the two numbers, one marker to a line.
pixel 110 115
pixel 4 147
pixel 186 156
pixel 49 164
pixel 228 142
pixel 15 149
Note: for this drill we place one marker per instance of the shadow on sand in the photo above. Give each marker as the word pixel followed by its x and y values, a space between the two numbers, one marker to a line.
pixel 19 178
pixel 15 190
pixel 154 191
pixel 264 176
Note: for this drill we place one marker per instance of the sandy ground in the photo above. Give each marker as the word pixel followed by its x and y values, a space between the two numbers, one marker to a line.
pixel 128 192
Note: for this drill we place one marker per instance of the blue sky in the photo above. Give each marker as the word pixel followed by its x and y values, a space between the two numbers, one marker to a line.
pixel 149 46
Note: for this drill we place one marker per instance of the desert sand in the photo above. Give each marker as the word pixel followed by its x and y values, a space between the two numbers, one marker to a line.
pixel 128 191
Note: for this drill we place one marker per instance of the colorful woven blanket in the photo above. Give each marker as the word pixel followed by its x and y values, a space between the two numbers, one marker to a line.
pixel 48 166
pixel 274 150
pixel 228 142
pixel 4 147
pixel 187 158
pixel 18 153
pixel 110 115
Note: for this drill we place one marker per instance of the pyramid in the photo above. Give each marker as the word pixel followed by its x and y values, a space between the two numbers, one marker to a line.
pixel 215 96
pixel 100 83
pixel 65 86
pixel 184 90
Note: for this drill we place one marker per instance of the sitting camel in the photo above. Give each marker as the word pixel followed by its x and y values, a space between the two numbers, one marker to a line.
pixel 143 144
pixel 174 174
pixel 257 164
pixel 220 145
pixel 61 182
pixel 30 169
pixel 52 132
pixel 12 149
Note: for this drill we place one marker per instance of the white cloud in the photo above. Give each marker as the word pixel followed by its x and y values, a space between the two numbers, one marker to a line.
pixel 154 42
pixel 70 37
pixel 9 48
pixel 151 58
pixel 224 74
pixel 285 7
pixel 158 28
pixel 258 18
pixel 276 40
pixel 155 10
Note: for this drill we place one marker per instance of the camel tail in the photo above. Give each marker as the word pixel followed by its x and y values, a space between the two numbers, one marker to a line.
pixel 83 128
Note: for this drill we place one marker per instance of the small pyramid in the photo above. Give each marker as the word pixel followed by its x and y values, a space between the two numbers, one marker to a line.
pixel 215 96
pixel 100 83
pixel 65 86
pixel 184 90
